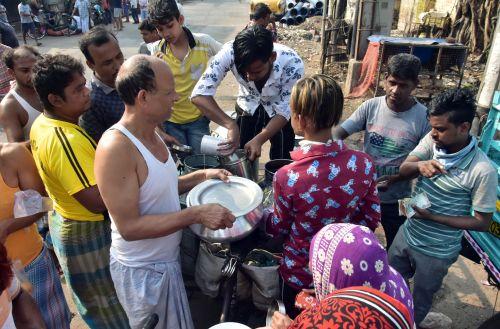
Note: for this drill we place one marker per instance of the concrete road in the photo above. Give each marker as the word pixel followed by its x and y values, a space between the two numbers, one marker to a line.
pixel 222 19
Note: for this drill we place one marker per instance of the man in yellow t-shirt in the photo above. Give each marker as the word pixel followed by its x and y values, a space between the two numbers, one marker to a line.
pixel 187 54
pixel 64 156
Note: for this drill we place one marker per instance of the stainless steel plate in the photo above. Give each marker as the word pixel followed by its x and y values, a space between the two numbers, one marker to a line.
pixel 240 195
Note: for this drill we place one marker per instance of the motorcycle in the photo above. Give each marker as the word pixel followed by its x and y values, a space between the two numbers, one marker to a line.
pixel 98 15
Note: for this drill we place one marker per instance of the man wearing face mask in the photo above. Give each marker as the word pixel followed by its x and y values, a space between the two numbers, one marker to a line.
pixel 266 73
pixel 393 124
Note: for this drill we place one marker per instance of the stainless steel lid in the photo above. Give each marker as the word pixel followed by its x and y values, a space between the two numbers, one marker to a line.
pixel 182 148
pixel 240 195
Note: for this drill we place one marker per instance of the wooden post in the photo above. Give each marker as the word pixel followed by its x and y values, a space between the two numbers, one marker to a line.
pixel 323 35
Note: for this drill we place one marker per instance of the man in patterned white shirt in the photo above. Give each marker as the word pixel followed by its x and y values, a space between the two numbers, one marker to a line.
pixel 266 73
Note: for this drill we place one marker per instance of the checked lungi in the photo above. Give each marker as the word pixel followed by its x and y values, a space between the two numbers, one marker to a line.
pixel 82 248
pixel 47 291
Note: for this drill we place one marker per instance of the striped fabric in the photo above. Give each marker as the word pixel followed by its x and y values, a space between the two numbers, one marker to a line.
pixel 48 292
pixel 82 248
pixel 356 307
pixel 70 154
pixel 448 197
pixel 64 155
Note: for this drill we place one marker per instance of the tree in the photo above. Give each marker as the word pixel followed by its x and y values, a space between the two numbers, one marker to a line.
pixel 474 25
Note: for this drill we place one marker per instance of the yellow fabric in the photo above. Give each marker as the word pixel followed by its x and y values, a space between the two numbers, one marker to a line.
pixel 64 155
pixel 186 74
pixel 24 244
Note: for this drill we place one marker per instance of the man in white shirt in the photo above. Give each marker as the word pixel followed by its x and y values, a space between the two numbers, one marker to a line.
pixel 266 73
pixel 83 8
pixel 26 19
pixel 143 6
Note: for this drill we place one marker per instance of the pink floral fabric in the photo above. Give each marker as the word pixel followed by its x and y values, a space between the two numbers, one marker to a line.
pixel 326 183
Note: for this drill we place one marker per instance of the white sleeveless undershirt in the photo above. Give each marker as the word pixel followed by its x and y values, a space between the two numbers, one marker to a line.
pixel 158 194
pixel 32 113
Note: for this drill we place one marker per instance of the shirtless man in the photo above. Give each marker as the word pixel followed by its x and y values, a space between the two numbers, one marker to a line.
pixel 21 106
pixel 147 221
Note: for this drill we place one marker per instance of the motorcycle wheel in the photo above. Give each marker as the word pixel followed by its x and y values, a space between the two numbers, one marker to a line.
pixel 39 32
pixel 72 26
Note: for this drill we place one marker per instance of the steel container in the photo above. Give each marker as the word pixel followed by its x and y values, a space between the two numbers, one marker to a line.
pixel 239 165
pixel 272 166
pixel 241 196
pixel 195 162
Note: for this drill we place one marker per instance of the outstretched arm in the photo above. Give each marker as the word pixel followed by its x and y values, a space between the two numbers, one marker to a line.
pixel 116 171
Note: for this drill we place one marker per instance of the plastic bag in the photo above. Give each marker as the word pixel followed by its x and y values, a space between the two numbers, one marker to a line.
pixel 208 276
pixel 30 202
pixel 262 267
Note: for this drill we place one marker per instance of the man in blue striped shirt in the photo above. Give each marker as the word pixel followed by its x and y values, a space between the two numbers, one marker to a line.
pixel 459 180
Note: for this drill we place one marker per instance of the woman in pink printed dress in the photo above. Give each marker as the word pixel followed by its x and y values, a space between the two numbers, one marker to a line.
pixel 327 183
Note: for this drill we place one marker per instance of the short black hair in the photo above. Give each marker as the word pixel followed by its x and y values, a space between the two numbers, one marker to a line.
pixel 404 67
pixel 459 104
pixel 146 25
pixel 140 77
pixel 10 55
pixel 261 10
pixel 251 44
pixel 163 11
pixel 52 74
pixel 95 37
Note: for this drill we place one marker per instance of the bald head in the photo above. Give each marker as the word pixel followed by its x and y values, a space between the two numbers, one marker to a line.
pixel 138 73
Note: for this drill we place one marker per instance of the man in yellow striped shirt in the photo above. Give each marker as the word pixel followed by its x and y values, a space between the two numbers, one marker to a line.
pixel 64 155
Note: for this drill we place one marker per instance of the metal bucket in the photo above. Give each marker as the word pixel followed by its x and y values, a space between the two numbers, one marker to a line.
pixel 272 166
pixel 200 161
pixel 239 165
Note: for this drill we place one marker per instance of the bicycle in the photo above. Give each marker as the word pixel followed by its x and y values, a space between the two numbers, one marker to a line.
pixel 55 21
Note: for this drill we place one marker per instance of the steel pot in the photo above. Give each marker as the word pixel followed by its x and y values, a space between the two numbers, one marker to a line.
pixel 199 161
pixel 239 164
pixel 241 196
pixel 271 167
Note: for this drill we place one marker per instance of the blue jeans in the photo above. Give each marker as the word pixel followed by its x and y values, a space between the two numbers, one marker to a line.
pixel 189 133
pixel 144 14
pixel 427 272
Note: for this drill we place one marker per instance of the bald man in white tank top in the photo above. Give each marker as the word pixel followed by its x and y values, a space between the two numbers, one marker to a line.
pixel 21 106
pixel 147 220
